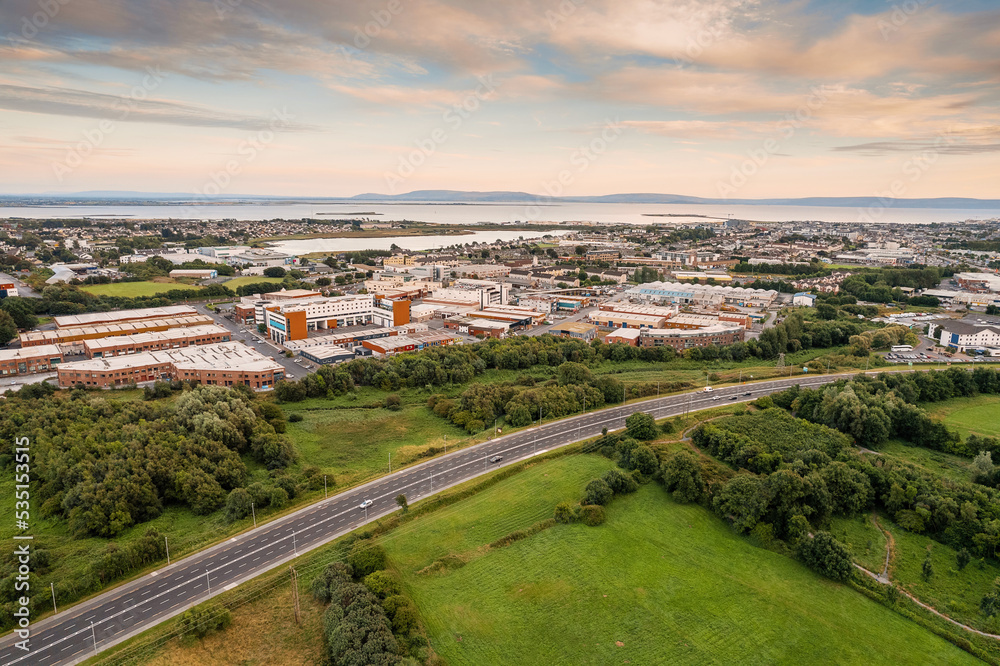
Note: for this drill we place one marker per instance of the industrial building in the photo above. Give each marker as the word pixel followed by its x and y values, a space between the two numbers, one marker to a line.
pixel 703 294
pixel 680 339
pixel 29 361
pixel 400 344
pixel 122 316
pixel 174 338
pixel 78 334
pixel 223 364
pixel 196 273
pixel 577 330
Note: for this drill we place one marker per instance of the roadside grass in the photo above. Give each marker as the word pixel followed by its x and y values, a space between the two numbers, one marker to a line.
pixel 658 583
pixel 937 463
pixel 135 289
pixel 979 415
pixel 251 279
pixel 355 444
pixel 955 593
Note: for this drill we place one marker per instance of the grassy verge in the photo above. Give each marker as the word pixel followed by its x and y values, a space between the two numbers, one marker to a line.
pixel 938 463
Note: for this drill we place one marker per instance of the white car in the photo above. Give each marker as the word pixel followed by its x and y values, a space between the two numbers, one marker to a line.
pixel 708 389
pixel 366 504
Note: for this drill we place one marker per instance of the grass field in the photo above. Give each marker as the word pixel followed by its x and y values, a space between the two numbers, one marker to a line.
pixel 352 444
pixel 977 415
pixel 953 592
pixel 251 279
pixel 135 289
pixel 658 583
pixel 937 463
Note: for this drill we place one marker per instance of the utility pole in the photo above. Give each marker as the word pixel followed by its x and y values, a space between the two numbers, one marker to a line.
pixel 295 593
pixel 167 546
pixel 55 611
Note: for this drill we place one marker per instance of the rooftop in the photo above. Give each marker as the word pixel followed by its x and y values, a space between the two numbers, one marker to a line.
pixel 224 356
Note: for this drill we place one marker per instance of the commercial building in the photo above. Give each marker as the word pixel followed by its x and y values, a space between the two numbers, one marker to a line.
pixel 703 294
pixel 804 298
pixel 625 336
pixel 256 261
pixel 174 338
pixel 223 251
pixel 339 338
pixel 962 335
pixel 489 328
pixel 223 364
pixel 295 319
pixel 481 293
pixel 78 334
pixel 328 355
pixel 577 330
pixel 197 273
pixel 978 282
pixel 626 320
pixel 400 344
pixel 680 339
pixel 29 361
pixel 7 289
pixel 122 316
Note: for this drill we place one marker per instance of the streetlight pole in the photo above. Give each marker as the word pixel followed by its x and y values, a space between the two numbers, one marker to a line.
pixel 254 512
pixel 93 636
pixel 55 611
pixel 390 462
pixel 324 486
pixel 166 545
pixel 208 581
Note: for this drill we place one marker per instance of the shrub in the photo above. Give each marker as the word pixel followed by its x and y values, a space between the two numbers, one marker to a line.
pixel 295 417
pixel 392 402
pixel 825 555
pixel 619 482
pixel 681 474
pixel 564 513
pixel 204 620
pixel 366 558
pixel 597 492
pixel 382 584
pixel 591 514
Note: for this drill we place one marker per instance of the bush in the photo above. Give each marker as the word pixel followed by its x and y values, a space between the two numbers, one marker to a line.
pixel 825 555
pixel 393 402
pixel 597 492
pixel 382 584
pixel 564 513
pixel 366 558
pixel 592 515
pixel 204 620
pixel 641 426
pixel 295 417
pixel 681 474
pixel 619 482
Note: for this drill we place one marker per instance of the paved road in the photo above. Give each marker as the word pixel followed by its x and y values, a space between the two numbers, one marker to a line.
pixel 94 625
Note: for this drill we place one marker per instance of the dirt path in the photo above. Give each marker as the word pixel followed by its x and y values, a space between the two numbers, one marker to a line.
pixel 884 578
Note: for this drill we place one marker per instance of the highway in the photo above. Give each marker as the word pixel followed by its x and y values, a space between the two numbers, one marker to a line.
pixel 80 631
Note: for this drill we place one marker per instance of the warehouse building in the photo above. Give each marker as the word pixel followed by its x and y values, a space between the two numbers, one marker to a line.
pixel 196 273
pixel 88 319
pixel 223 365
pixel 81 333
pixel 29 361
pixel 680 339
pixel 175 338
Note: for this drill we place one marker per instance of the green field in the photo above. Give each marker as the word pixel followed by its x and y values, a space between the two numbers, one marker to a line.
pixel 354 444
pixel 968 416
pixel 658 583
pixel 953 592
pixel 937 463
pixel 135 289
pixel 251 279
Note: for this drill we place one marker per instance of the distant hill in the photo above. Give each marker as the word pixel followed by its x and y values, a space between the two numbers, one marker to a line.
pixel 497 197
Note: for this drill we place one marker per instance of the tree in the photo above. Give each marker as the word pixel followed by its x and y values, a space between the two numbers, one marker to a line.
pixel 204 620
pixel 597 492
pixel 564 513
pixel 401 501
pixel 382 584
pixel 962 558
pixel 743 501
pixel 573 374
pixel 927 568
pixel 826 555
pixel 592 515
pixel 237 504
pixel 681 474
pixel 990 604
pixel 8 329
pixel 641 426
pixel 274 272
pixel 366 558
pixel 619 482
pixel 644 459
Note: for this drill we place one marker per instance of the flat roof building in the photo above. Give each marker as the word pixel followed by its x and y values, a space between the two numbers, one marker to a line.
pixel 31 360
pixel 121 316
pixel 680 339
pixel 224 364
pixel 174 338
pixel 575 329
pixel 81 333
pixel 198 273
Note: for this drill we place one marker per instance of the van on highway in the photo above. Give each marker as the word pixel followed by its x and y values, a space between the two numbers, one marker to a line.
pixel 707 389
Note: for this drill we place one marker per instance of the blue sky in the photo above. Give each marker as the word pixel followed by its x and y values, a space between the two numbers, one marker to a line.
pixel 730 98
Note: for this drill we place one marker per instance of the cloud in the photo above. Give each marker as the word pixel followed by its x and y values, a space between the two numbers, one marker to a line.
pixel 959 141
pixel 86 104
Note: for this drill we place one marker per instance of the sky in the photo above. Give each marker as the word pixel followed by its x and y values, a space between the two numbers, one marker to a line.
pixel 721 99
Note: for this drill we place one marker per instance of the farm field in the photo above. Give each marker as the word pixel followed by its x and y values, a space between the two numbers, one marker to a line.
pixel 135 289
pixel 658 583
